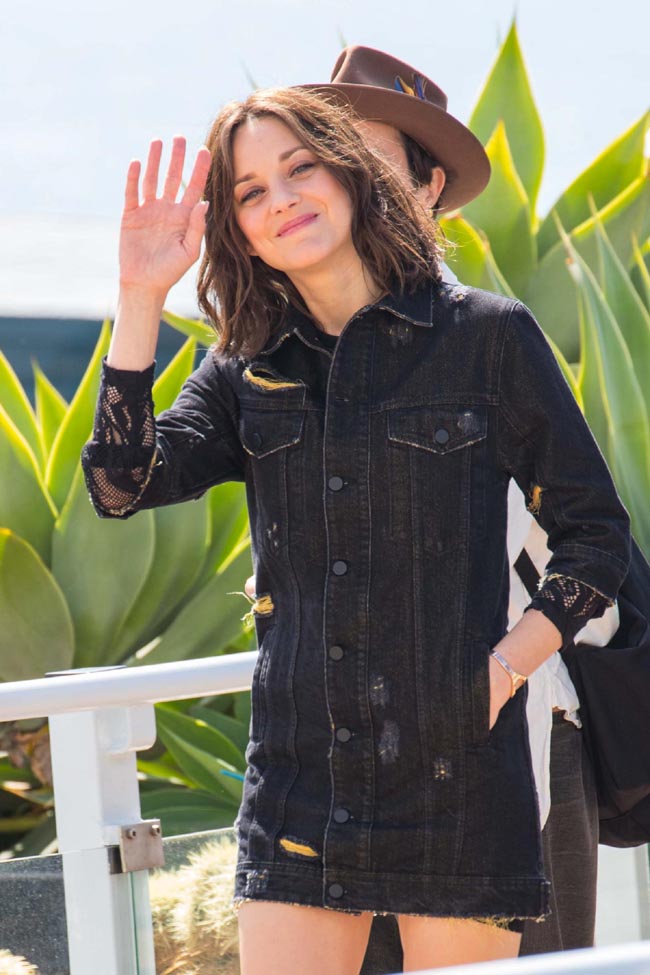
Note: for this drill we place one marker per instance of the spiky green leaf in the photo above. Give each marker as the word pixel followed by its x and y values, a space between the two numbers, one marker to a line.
pixel 77 424
pixel 51 407
pixel 627 417
pixel 201 734
pixel 191 327
pixel 14 400
pixel 183 811
pixel 621 163
pixel 181 534
pixel 36 632
pixel 470 257
pixel 200 766
pixel 629 311
pixel 507 97
pixel 503 213
pixel 25 504
pixel 550 293
pixel 101 565
pixel 209 622
pixel 168 385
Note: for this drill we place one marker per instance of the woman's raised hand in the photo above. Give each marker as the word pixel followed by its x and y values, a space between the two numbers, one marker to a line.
pixel 160 238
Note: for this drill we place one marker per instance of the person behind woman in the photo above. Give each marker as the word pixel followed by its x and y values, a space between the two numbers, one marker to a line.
pixel 377 416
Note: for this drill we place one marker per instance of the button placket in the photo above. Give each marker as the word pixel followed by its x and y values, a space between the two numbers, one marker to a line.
pixel 347 524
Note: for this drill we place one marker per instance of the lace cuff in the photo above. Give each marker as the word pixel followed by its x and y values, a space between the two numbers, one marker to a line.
pixel 119 460
pixel 568 603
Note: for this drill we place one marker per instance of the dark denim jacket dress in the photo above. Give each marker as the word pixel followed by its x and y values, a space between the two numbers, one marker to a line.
pixel 377 477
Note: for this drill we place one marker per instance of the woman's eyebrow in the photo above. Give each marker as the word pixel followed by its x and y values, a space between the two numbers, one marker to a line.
pixel 281 158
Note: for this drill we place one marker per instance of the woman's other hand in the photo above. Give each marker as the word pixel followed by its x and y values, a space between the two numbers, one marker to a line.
pixel 160 238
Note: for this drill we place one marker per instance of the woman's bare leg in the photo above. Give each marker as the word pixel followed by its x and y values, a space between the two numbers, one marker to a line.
pixel 433 942
pixel 283 939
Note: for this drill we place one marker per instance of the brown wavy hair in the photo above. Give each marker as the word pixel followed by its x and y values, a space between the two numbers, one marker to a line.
pixel 244 298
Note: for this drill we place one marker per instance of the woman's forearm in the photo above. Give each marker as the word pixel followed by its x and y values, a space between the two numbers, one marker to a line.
pixel 528 644
pixel 135 332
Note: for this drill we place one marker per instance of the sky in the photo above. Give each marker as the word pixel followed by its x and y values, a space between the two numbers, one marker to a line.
pixel 85 85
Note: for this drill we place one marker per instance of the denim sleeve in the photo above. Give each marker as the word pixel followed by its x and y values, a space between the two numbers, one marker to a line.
pixel 545 444
pixel 135 460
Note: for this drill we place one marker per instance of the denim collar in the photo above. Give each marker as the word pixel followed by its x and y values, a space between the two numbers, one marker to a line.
pixel 416 308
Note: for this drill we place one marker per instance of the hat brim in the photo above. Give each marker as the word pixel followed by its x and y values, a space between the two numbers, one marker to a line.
pixel 446 139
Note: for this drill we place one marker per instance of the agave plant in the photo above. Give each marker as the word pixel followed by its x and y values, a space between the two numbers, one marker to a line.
pixel 77 591
pixel 503 244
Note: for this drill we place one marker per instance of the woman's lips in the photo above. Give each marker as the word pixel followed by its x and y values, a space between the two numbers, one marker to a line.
pixel 296 224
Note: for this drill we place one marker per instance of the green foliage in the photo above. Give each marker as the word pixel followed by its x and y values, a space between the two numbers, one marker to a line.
pixel 528 252
pixel 507 99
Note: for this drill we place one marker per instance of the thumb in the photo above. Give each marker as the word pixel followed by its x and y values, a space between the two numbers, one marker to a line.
pixel 196 227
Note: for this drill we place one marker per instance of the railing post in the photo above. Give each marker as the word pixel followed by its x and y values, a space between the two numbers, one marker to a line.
pixel 96 793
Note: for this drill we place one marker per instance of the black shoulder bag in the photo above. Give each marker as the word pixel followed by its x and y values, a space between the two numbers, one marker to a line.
pixel 613 684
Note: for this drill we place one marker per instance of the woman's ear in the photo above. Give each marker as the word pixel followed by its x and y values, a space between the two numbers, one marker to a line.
pixel 431 193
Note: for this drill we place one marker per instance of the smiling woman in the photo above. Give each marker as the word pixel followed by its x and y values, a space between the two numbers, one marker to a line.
pixel 376 416
pixel 301 195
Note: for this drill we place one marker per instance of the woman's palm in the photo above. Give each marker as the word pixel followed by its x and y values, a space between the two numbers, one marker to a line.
pixel 160 238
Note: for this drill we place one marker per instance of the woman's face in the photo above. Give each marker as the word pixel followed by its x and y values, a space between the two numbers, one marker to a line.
pixel 294 213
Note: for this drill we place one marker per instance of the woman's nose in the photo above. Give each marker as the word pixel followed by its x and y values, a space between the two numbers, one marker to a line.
pixel 283 198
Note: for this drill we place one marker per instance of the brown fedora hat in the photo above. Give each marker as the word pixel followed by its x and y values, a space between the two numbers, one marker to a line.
pixel 381 88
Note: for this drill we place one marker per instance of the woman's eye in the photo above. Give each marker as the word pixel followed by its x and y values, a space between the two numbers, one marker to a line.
pixel 302 168
pixel 249 195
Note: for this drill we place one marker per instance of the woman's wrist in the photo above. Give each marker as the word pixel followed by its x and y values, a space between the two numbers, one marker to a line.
pixel 136 327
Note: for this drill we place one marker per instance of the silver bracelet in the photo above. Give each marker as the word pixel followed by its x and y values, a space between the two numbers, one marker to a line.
pixel 517 680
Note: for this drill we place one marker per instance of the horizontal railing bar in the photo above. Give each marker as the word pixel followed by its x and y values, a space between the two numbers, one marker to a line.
pixel 626 959
pixel 126 686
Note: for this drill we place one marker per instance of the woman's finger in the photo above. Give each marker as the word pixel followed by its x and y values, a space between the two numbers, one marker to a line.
pixel 196 185
pixel 131 192
pixel 150 181
pixel 175 169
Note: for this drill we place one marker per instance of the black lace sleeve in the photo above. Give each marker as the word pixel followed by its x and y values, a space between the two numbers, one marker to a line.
pixel 568 603
pixel 119 460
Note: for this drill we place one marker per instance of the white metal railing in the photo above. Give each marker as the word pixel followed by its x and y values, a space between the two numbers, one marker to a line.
pixel 99 719
pixel 95 689
pixel 631 959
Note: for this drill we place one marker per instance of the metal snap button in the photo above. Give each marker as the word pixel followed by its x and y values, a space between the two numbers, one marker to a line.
pixel 336 652
pixel 343 734
pixel 335 483
pixel 336 891
pixel 341 815
pixel 340 567
pixel 441 436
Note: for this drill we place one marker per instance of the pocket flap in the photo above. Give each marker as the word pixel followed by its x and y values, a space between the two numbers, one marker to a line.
pixel 438 430
pixel 262 432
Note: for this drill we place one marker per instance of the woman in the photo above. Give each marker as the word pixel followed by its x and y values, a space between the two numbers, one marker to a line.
pixel 376 416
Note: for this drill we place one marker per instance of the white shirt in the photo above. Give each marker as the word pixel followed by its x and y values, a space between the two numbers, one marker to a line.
pixel 549 686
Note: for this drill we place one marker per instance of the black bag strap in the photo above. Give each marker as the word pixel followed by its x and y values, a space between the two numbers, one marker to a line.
pixel 525 569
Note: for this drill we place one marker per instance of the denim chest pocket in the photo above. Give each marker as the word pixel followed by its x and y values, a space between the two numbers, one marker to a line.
pixel 435 430
pixel 272 411
pixel 437 478
pixel 265 432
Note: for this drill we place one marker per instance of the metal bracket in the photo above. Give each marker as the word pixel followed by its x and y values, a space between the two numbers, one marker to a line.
pixel 141 847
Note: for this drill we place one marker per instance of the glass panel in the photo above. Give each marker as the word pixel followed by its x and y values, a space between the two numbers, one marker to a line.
pixel 32 917
pixel 195 924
